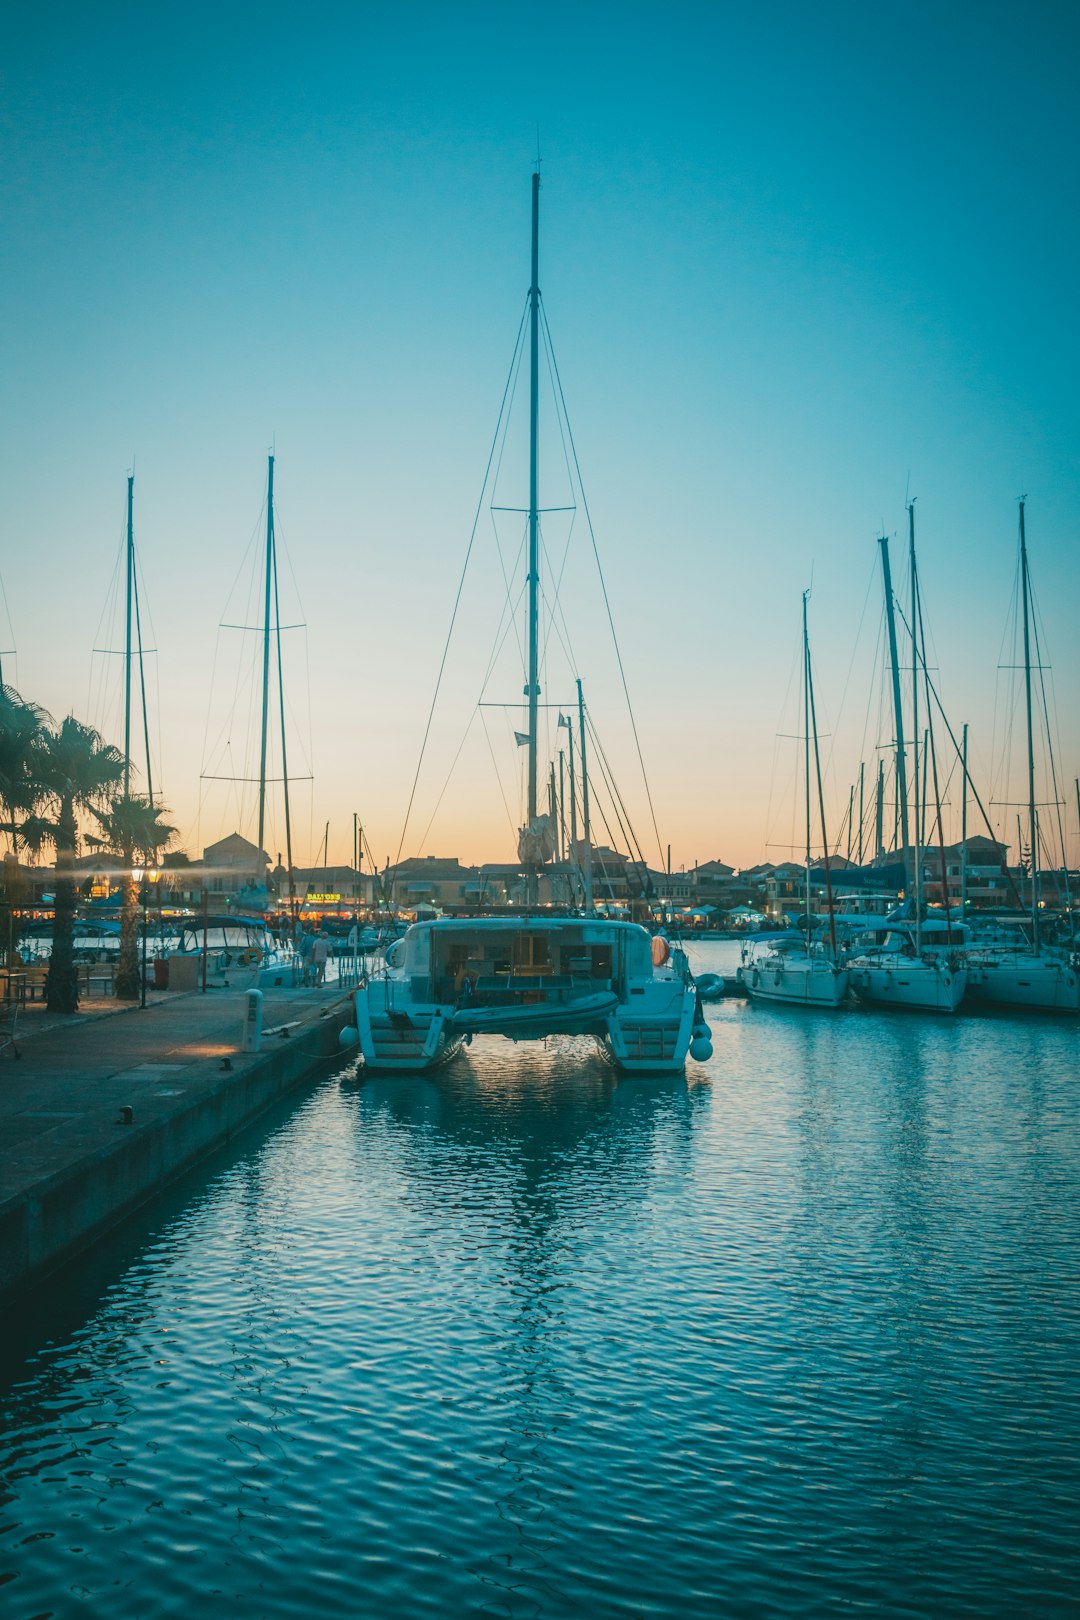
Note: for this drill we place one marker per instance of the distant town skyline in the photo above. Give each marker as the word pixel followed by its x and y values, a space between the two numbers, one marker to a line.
pixel 798 269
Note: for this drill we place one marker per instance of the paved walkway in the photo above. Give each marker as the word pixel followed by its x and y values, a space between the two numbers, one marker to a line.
pixel 62 1101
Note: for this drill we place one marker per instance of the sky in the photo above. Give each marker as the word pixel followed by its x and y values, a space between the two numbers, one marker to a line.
pixel 800 265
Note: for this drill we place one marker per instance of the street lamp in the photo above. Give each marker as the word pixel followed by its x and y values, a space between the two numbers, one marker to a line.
pixel 138 874
pixel 142 875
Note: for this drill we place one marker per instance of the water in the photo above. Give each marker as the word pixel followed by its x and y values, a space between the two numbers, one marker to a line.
pixel 798 1335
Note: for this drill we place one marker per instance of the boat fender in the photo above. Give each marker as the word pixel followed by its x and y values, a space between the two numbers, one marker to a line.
pixel 660 950
pixel 225 960
pixel 701 1049
pixel 349 1036
pixel 778 977
pixel 755 978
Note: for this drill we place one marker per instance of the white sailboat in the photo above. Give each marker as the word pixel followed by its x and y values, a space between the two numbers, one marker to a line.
pixel 920 965
pixel 527 977
pixel 801 972
pixel 1027 973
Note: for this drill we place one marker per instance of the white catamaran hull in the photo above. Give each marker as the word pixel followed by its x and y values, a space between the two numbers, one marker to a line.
pixel 1040 982
pixel 526 979
pixel 902 982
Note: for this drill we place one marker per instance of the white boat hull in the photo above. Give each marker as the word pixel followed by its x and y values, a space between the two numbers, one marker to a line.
pixel 796 981
pixel 1040 982
pixel 902 982
pixel 526 979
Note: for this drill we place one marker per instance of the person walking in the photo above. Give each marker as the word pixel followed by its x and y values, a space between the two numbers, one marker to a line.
pixel 320 953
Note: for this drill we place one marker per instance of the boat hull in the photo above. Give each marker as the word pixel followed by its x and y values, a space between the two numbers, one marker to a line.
pixel 1039 983
pixel 797 982
pixel 916 986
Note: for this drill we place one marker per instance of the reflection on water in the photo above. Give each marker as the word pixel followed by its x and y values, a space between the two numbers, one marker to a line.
pixel 796 1333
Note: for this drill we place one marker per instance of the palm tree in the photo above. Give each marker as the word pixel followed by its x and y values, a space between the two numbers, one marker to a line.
pixel 131 830
pixel 22 730
pixel 77 771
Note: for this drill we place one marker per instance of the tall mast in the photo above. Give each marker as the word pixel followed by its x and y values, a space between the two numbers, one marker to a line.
pixel 820 791
pixel 850 818
pixel 284 754
pixel 806 746
pixel 587 870
pixel 533 688
pixel 862 781
pixel 963 836
pixel 127 637
pixel 915 714
pixel 879 817
pixel 1032 822
pixel 266 649
pixel 898 714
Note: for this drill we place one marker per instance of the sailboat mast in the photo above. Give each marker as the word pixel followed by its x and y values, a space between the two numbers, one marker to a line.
pixel 963 835
pixel 587 867
pixel 820 790
pixel 127 637
pixel 806 745
pixel 284 753
pixel 1032 825
pixel 914 713
pixel 266 649
pixel 534 493
pixel 862 780
pixel 898 714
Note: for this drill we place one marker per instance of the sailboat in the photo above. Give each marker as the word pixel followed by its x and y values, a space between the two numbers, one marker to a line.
pixel 920 964
pixel 801 971
pixel 529 976
pixel 241 947
pixel 1028 973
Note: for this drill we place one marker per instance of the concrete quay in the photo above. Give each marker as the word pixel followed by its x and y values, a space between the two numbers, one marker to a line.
pixel 72 1164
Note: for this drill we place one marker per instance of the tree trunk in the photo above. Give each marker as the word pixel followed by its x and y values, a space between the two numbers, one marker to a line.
pixel 62 984
pixel 127 968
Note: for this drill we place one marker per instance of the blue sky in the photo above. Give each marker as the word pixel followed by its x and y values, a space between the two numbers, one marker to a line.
pixel 797 262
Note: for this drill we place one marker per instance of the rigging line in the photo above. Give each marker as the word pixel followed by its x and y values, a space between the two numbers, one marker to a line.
pixel 561 425
pixel 511 623
pixel 453 619
pixel 874 684
pixel 142 691
pixel 778 737
pixel 556 601
pixel 446 783
pixel 493 481
pixel 555 606
pixel 627 837
pixel 617 798
pixel 507 578
pixel 847 679
pixel 1049 752
pixel 498 778
pixel 603 587
pixel 956 746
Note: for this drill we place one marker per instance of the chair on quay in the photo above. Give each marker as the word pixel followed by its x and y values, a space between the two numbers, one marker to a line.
pixel 9 1018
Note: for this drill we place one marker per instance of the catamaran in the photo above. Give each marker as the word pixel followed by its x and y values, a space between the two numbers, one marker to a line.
pixel 531 976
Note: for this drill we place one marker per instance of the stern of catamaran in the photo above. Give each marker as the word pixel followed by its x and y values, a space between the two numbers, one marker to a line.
pixel 526 978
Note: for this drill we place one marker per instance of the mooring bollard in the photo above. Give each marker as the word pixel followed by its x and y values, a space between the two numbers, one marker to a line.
pixel 253 1021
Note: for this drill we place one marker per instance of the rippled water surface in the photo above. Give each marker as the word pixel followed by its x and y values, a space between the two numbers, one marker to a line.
pixel 797 1335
